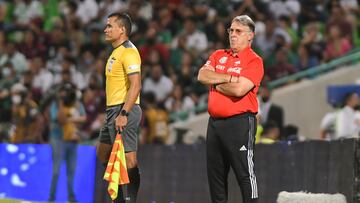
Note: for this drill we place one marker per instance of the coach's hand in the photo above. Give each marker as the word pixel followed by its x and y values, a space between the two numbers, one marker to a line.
pixel 120 123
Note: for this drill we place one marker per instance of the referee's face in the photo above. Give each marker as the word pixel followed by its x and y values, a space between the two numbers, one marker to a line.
pixel 240 36
pixel 113 30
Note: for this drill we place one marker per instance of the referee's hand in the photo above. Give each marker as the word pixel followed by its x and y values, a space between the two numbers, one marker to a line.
pixel 120 123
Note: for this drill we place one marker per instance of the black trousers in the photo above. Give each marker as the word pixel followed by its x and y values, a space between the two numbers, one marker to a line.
pixel 230 143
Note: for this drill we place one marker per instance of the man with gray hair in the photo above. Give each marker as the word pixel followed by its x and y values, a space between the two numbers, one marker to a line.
pixel 233 76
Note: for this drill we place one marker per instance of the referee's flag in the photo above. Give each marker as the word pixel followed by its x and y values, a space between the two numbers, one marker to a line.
pixel 116 171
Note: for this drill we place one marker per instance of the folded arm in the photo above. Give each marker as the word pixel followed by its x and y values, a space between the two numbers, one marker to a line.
pixel 238 87
pixel 208 76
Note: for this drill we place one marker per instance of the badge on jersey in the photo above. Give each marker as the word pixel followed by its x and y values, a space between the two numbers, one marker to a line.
pixel 111 62
pixel 134 67
pixel 223 59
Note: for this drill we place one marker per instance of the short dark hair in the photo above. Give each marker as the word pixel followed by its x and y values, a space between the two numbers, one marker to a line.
pixel 123 20
pixel 347 97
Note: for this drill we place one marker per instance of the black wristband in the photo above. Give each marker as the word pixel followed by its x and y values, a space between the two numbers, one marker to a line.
pixel 123 112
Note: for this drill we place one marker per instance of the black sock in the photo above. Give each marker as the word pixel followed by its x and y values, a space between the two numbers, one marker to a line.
pixel 133 186
pixel 120 198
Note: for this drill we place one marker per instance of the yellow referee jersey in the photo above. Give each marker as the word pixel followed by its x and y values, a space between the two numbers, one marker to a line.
pixel 123 61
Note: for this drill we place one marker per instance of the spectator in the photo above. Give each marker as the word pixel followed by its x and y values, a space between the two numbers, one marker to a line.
pixel 217 34
pixel 284 7
pixel 195 40
pixel 110 6
pixel 268 111
pixel 282 66
pixel 57 45
pixel 25 116
pixel 312 11
pixel 291 29
pixel 179 102
pixel 338 18
pixel 159 84
pixel 167 26
pixel 75 35
pixel 8 80
pixel 86 61
pixel 156 121
pixel 304 60
pixel 13 56
pixel 267 42
pixel 140 25
pixel 291 133
pixel 87 10
pixel 27 80
pixel 343 123
pixel 153 51
pixel 336 45
pixel 43 79
pixel 26 10
pixel 94 45
pixel 93 106
pixel 186 74
pixel 66 114
pixel 94 77
pixel 349 6
pixel 251 7
pixel 31 46
pixel 77 78
pixel 313 41
pixel 270 134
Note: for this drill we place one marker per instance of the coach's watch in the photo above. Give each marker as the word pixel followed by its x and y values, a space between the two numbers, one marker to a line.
pixel 123 112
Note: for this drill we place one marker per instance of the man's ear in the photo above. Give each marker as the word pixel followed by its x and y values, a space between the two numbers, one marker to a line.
pixel 251 36
pixel 123 30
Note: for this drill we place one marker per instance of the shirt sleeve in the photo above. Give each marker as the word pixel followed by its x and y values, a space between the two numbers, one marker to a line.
pixel 254 71
pixel 211 60
pixel 132 61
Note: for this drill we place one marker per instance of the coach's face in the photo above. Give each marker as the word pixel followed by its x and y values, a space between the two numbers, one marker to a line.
pixel 240 36
pixel 113 30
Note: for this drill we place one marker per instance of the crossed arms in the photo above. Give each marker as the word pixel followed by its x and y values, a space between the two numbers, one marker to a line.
pixel 225 83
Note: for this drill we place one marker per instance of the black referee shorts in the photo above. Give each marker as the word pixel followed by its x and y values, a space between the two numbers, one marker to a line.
pixel 130 133
pixel 230 143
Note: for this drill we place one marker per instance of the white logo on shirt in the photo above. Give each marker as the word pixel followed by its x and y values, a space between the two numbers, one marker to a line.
pixel 223 59
pixel 234 70
pixel 237 62
pixel 221 67
pixel 243 148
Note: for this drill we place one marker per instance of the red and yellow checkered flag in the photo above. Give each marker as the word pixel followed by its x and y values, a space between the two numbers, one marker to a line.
pixel 116 171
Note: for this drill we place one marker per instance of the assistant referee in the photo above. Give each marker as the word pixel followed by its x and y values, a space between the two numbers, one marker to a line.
pixel 123 113
pixel 234 77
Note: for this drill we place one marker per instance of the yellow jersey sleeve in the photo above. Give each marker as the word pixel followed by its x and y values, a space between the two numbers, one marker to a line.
pixel 131 61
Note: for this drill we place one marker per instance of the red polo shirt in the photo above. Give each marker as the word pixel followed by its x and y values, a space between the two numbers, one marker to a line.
pixel 246 64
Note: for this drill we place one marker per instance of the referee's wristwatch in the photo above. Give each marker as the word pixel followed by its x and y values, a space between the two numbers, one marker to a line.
pixel 123 112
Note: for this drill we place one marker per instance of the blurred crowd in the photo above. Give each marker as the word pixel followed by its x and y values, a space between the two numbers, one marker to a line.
pixel 46 45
